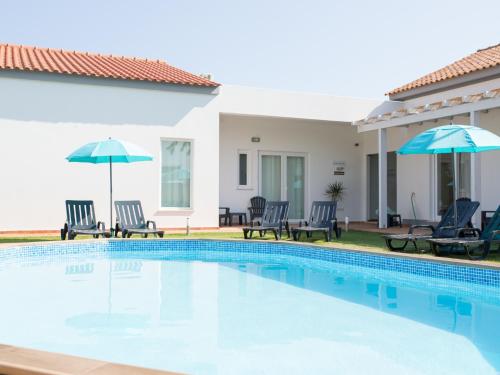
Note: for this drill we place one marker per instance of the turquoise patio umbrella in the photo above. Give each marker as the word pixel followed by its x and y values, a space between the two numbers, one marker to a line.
pixel 109 151
pixel 452 139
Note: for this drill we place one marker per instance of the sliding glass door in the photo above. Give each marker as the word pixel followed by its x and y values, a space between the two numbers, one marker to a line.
pixel 392 188
pixel 283 177
pixel 271 177
pixel 295 186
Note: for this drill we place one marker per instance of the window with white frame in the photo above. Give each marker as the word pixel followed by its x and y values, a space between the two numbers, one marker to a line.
pixel 176 174
pixel 244 178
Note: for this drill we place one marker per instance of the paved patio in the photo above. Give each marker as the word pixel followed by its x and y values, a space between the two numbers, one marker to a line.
pixel 365 226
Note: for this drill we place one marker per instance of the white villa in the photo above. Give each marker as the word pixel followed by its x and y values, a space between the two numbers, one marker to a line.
pixel 219 145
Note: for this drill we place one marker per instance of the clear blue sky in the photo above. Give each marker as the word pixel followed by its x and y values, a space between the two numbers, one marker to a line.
pixel 356 48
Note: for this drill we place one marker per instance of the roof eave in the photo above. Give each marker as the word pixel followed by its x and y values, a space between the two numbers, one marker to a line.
pixel 105 81
pixel 447 84
pixel 469 103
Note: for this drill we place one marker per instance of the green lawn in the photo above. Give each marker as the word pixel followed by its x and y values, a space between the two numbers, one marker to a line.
pixel 28 239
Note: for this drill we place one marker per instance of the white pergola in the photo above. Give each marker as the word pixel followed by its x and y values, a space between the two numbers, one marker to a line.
pixel 469 105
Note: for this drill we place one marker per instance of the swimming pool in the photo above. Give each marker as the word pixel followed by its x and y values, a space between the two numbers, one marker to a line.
pixel 234 307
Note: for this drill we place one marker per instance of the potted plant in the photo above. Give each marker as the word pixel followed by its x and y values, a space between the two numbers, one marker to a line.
pixel 335 191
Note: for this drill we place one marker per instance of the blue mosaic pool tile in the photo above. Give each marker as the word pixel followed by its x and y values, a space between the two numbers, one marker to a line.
pixel 211 250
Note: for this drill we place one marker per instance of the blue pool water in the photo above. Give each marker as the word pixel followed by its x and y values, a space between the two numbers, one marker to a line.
pixel 214 307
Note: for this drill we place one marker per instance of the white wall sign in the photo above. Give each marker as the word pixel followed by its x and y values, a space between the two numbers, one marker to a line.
pixel 339 168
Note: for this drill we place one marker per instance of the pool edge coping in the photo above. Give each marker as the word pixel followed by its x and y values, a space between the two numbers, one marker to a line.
pixel 15 360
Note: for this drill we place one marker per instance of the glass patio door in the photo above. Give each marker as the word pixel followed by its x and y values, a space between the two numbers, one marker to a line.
pixel 295 186
pixel 283 177
pixel 445 179
pixel 392 184
pixel 271 188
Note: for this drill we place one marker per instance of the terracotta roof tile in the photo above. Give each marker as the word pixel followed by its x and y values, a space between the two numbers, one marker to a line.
pixel 24 58
pixel 479 60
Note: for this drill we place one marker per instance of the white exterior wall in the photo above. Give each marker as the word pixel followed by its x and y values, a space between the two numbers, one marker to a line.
pixel 43 118
pixel 490 164
pixel 42 121
pixel 322 143
pixel 415 173
pixel 275 103
pixel 317 125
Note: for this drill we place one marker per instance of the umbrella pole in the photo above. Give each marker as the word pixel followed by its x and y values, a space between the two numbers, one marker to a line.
pixel 110 196
pixel 455 186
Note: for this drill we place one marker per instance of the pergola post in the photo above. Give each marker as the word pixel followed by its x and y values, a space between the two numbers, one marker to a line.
pixel 382 178
pixel 475 172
